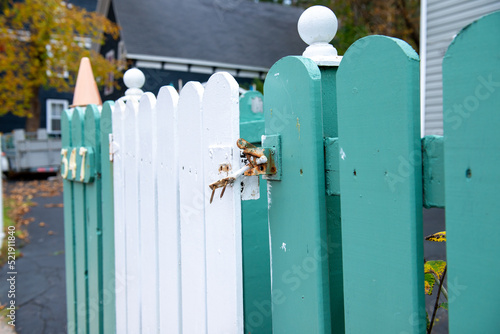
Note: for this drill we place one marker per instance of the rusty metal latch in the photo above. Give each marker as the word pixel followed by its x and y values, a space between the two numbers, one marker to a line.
pixel 260 162
pixel 255 156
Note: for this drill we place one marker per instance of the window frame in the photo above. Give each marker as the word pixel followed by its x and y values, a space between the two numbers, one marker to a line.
pixel 49 114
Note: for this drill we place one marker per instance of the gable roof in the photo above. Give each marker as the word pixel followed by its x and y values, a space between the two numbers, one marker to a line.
pixel 233 32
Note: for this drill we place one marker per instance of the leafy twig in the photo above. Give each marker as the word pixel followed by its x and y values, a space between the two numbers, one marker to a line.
pixel 436 305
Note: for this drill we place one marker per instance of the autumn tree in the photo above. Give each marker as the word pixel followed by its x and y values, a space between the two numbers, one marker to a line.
pixel 41 44
pixel 360 18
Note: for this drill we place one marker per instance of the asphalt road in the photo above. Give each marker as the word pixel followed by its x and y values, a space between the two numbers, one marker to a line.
pixel 40 279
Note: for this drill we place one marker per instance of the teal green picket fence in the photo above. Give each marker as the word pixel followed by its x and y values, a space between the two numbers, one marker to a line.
pixel 88 220
pixel 350 259
pixel 335 244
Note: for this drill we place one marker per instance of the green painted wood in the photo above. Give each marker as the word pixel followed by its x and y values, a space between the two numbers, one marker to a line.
pixel 381 187
pixel 79 211
pixel 334 228
pixel 256 265
pixel 332 168
pixel 251 116
pixel 471 100
pixel 252 131
pixel 433 171
pixel 94 223
pixel 69 231
pixel 108 230
pixel 297 212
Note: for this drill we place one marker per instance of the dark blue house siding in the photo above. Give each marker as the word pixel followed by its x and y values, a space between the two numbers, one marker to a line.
pixel 10 122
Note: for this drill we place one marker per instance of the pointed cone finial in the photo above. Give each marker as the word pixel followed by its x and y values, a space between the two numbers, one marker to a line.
pixel 86 91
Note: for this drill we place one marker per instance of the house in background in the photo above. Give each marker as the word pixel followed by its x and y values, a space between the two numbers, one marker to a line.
pixel 52 102
pixel 441 20
pixel 176 41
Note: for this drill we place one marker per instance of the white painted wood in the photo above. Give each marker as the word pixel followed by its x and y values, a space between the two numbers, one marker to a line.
pixel 148 214
pixel 192 209
pixel 179 258
pixel 119 212
pixel 223 216
pixel 168 211
pixel 131 172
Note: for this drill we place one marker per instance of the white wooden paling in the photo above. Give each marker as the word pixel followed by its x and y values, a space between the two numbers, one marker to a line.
pixel 131 219
pixel 179 255
pixel 119 213
pixel 146 157
pixel 168 211
pixel 192 209
pixel 223 216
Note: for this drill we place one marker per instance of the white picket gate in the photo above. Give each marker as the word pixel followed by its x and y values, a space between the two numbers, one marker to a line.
pixel 179 257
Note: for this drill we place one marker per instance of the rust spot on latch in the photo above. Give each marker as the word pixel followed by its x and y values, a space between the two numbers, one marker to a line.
pixel 255 155
pixel 224 168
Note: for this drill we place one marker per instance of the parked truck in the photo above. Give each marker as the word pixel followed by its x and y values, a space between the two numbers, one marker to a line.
pixel 31 152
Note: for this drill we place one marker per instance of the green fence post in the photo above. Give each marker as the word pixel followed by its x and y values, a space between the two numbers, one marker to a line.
pixel 80 213
pixel 471 104
pixel 108 227
pixel 94 222
pixel 297 213
pixel 333 209
pixel 69 227
pixel 254 230
pixel 381 187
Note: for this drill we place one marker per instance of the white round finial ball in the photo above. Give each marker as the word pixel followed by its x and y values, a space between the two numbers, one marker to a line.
pixel 317 24
pixel 134 78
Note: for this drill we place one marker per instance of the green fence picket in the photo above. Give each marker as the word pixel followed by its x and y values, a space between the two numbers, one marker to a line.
pixel 297 219
pixel 69 227
pixel 108 227
pixel 79 211
pixel 381 187
pixel 471 103
pixel 93 222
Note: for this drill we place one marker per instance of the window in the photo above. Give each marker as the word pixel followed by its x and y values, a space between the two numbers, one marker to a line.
pixel 54 111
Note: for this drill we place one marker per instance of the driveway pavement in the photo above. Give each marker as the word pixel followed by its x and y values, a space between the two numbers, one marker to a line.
pixel 40 280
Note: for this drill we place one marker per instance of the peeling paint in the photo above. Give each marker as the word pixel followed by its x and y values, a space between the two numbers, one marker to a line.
pixel 283 246
pixel 298 126
pixel 342 154
pixel 276 74
pixel 269 200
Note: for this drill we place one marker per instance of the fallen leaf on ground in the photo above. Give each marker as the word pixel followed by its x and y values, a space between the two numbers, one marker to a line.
pixel 54 205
